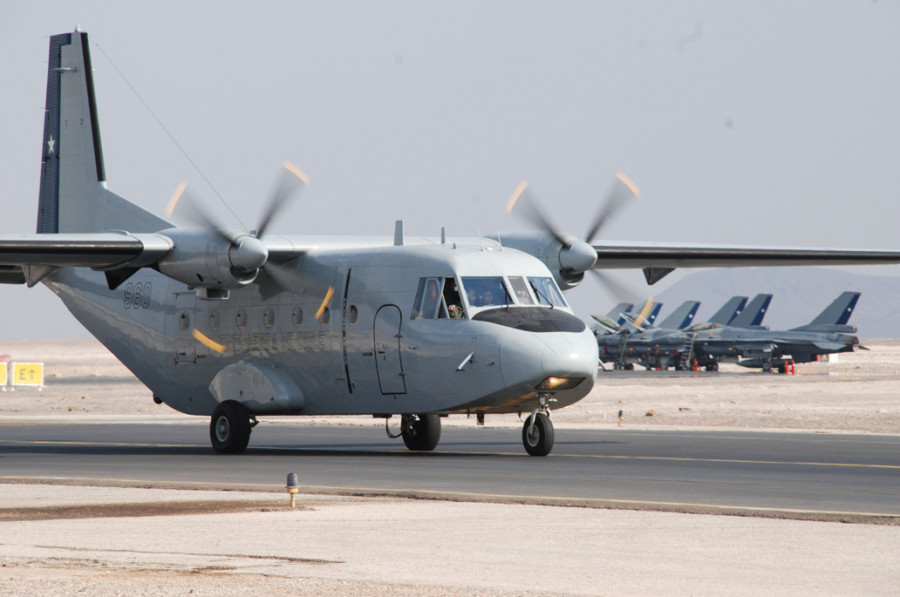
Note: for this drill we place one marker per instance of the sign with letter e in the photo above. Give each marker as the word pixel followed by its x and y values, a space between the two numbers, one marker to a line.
pixel 28 374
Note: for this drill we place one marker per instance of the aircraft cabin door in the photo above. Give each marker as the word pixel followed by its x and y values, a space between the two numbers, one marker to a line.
pixel 387 350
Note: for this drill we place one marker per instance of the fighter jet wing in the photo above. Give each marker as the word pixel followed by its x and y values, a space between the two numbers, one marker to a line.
pixel 657 259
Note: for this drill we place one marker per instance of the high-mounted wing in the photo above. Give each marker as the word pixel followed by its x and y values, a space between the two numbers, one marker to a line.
pixel 658 260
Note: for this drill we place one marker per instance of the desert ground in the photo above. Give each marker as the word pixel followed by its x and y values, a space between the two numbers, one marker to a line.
pixel 335 545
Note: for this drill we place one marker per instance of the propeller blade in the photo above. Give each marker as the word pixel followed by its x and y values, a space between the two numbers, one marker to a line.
pixel 622 190
pixel 619 291
pixel 529 210
pixel 325 302
pixel 189 211
pixel 284 275
pixel 292 179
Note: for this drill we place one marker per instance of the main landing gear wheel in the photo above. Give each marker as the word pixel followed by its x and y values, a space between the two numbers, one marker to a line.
pixel 229 428
pixel 537 434
pixel 421 433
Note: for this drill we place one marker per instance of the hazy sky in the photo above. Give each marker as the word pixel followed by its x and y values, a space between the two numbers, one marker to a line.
pixel 773 123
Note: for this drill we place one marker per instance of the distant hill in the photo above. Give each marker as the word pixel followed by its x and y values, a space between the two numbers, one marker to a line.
pixel 800 293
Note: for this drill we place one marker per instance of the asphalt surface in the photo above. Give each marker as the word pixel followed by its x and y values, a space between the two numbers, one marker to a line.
pixel 831 473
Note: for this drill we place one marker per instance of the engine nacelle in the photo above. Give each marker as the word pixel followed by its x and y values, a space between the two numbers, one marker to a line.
pixel 567 262
pixel 206 258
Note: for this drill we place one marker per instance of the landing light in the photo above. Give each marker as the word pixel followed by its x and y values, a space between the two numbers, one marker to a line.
pixel 559 383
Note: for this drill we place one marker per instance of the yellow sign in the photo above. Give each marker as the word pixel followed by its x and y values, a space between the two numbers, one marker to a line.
pixel 4 375
pixel 28 374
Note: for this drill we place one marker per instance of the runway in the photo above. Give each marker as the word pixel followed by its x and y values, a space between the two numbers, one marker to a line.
pixel 784 474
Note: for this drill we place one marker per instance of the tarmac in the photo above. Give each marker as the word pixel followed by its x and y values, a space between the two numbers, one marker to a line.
pixel 64 539
pixel 76 540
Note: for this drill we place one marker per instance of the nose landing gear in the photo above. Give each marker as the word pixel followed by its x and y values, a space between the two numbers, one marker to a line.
pixel 537 432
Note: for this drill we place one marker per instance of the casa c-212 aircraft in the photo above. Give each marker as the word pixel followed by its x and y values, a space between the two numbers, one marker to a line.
pixel 237 325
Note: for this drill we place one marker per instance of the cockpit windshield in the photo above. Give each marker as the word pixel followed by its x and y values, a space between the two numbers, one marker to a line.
pixel 486 291
pixel 547 292
pixel 442 298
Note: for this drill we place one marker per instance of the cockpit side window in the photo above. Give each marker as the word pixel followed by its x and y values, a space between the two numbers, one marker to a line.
pixel 438 298
pixel 520 288
pixel 452 299
pixel 486 291
pixel 428 299
pixel 547 292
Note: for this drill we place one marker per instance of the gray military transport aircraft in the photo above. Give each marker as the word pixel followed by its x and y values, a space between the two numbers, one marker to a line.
pixel 235 325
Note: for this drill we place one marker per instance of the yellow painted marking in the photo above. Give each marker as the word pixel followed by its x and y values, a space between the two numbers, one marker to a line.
pixel 179 191
pixel 207 341
pixel 28 374
pixel 296 171
pixel 648 306
pixel 629 183
pixel 324 304
pixel 515 196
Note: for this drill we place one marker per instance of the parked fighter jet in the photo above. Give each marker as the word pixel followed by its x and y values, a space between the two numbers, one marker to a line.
pixel 765 349
pixel 648 346
pixel 828 333
pixel 234 325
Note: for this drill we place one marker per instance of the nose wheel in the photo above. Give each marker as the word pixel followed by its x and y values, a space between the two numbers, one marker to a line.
pixel 537 434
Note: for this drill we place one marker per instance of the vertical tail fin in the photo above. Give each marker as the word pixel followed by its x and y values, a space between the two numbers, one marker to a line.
pixel 839 311
pixel 729 311
pixel 835 316
pixel 681 317
pixel 754 313
pixel 73 193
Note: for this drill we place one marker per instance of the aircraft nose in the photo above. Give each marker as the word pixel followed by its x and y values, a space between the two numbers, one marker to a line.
pixel 552 361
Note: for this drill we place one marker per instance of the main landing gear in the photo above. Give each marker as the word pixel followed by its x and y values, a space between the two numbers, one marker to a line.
pixel 421 433
pixel 230 426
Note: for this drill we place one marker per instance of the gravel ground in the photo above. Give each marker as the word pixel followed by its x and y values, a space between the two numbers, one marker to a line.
pixel 72 540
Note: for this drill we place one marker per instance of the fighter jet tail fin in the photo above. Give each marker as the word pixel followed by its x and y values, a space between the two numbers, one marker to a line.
pixel 681 317
pixel 752 316
pixel 73 193
pixel 730 310
pixel 835 316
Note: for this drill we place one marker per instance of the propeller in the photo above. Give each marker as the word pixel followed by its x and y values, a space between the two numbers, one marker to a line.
pixel 247 253
pixel 576 256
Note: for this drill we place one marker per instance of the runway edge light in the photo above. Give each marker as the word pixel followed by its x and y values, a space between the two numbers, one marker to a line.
pixel 293 486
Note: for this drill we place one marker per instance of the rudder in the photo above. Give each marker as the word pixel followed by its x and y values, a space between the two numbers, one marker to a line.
pixel 73 194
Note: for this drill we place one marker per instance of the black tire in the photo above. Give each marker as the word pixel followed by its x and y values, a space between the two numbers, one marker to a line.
pixel 229 428
pixel 421 433
pixel 714 366
pixel 538 440
pixel 766 366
